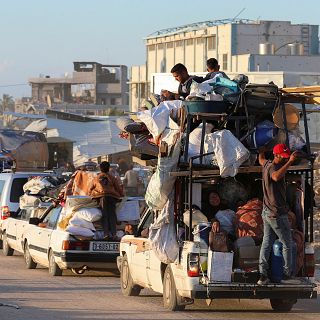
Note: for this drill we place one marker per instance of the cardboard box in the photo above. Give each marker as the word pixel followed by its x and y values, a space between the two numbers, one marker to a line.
pixel 220 266
pixel 247 257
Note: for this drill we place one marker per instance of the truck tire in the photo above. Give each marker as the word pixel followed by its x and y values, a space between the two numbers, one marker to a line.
pixel 30 264
pixel 170 294
pixel 54 269
pixel 7 250
pixel 282 305
pixel 128 288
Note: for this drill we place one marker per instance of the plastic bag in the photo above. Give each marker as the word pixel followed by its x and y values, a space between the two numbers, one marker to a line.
pixel 226 219
pixel 89 214
pixel 79 231
pixel 230 153
pixel 162 234
pixel 156 119
pixel 161 183
pixel 79 222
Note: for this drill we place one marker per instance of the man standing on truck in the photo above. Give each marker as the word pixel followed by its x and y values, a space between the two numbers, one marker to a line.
pixel 180 73
pixel 275 211
pixel 106 188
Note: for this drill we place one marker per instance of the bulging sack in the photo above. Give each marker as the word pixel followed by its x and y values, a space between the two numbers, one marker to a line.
pixel 218 241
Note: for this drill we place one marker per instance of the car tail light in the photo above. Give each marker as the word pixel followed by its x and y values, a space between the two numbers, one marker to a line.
pixel 193 265
pixel 75 245
pixel 5 212
pixel 309 261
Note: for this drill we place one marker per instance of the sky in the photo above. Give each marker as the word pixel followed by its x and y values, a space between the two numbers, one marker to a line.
pixel 45 37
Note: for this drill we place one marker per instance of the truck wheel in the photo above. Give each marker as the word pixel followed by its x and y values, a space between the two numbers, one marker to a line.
pixel 7 250
pixel 282 305
pixel 128 288
pixel 54 269
pixel 30 264
pixel 170 294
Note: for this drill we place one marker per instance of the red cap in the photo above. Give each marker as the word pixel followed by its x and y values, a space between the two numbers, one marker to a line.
pixel 282 150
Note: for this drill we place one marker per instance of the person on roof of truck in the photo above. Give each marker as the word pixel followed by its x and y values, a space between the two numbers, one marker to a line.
pixel 106 188
pixel 180 73
pixel 275 211
pixel 213 69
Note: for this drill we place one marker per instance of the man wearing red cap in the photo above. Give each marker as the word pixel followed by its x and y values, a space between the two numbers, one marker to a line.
pixel 275 210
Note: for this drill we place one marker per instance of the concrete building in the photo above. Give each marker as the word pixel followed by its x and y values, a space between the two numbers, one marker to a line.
pixel 90 83
pixel 240 46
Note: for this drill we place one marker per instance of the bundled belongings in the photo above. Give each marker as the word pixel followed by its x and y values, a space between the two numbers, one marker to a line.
pixel 29 150
pixel 249 221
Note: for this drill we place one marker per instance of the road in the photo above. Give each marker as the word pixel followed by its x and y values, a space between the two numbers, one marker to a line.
pixel 33 294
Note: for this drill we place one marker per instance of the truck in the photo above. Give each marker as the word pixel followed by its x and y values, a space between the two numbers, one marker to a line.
pixel 191 275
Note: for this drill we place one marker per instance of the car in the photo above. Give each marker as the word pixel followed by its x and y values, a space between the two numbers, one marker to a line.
pixel 42 242
pixel 11 188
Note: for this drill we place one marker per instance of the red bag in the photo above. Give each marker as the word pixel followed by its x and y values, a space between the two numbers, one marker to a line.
pixel 249 220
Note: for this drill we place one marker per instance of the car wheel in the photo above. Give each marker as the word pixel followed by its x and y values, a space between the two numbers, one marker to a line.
pixel 78 270
pixel 128 288
pixel 7 250
pixel 30 264
pixel 170 294
pixel 54 269
pixel 282 305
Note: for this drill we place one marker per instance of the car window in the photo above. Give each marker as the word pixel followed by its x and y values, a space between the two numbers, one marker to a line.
pixel 17 189
pixel 52 218
pixel 2 183
pixel 146 221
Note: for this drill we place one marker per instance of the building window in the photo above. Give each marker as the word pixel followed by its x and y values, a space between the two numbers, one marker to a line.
pixel 189 42
pixel 143 90
pixel 152 47
pixel 160 46
pixel 212 42
pixel 199 41
pixel 225 61
pixel 113 101
pixel 179 43
pixel 170 45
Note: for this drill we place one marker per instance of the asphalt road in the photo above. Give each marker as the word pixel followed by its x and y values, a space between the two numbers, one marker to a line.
pixel 33 294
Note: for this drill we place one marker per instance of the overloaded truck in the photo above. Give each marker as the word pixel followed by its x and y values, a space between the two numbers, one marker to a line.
pixel 177 251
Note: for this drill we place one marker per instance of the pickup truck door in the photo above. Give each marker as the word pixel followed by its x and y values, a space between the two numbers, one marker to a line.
pixel 39 240
pixel 140 247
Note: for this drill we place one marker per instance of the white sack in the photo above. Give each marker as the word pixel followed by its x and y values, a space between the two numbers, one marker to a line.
pixel 161 183
pixel 128 211
pixel 79 231
pixel 36 184
pixel 195 139
pixel 77 221
pixel 156 119
pixel 89 214
pixel 226 219
pixel 197 217
pixel 230 153
pixel 28 201
pixel 162 234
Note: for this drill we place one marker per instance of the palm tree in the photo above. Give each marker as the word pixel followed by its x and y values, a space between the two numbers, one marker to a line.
pixel 7 103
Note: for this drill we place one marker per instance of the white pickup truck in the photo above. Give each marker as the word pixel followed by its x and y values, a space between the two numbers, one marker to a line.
pixel 182 281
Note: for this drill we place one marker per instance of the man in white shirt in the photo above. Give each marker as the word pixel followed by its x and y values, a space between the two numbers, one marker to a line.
pixel 131 182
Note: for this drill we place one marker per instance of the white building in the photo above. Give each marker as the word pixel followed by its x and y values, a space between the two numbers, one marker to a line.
pixel 240 46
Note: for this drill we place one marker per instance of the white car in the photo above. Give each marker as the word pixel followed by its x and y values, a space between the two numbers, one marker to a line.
pixel 41 242
pixel 11 189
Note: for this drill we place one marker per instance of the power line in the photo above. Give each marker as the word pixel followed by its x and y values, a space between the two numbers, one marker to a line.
pixel 13 85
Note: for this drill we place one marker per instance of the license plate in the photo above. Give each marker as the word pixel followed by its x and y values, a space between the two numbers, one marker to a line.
pixel 104 246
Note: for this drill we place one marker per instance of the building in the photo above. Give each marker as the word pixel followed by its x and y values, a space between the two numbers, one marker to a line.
pixel 91 83
pixel 240 46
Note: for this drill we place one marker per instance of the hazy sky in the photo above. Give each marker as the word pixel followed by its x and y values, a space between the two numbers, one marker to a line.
pixel 45 37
